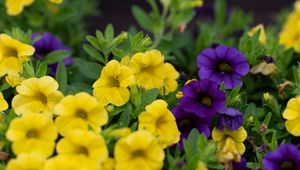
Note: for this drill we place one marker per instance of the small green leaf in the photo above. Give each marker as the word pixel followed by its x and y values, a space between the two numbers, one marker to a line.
pixel 142 18
pixel 109 32
pixel 42 69
pixel 57 56
pixel 267 119
pixel 93 53
pixel 61 76
pixel 92 40
pixel 125 116
pixel 148 97
pixel 89 69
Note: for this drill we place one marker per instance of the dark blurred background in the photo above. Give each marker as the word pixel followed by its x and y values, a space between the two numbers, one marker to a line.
pixel 118 12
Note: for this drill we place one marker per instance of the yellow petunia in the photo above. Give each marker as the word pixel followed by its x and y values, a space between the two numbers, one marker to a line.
pixel 262 35
pixel 159 121
pixel 71 162
pixel 79 112
pixel 112 86
pixel 170 84
pixel 14 8
pixel 119 133
pixel 32 133
pixel 3 103
pixel 32 161
pixel 230 143
pixel 109 164
pixel 12 55
pixel 87 143
pixel 201 166
pixel 292 114
pixel 56 1
pixel 148 69
pixel 13 79
pixel 138 151
pixel 37 95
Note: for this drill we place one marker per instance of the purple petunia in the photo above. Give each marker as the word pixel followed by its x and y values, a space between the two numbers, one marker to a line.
pixel 286 156
pixel 239 165
pixel 202 98
pixel 47 44
pixel 222 64
pixel 230 118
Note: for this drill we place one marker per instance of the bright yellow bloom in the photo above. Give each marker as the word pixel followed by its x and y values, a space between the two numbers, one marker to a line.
pixel 159 121
pixel 37 95
pixel 87 143
pixel 119 133
pixel 71 162
pixel 13 79
pixel 262 35
pixel 3 103
pixel 292 114
pixel 201 166
pixel 148 69
pixel 32 161
pixel 32 133
pixel 138 151
pixel 56 1
pixel 13 54
pixel 229 142
pixel 79 112
pixel 170 84
pixel 112 86
pixel 109 164
pixel 15 8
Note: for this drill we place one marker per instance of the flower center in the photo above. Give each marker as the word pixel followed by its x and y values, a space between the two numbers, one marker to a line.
pixel 41 97
pixel 160 121
pixel 32 133
pixel 82 150
pixel 185 122
pixel 114 82
pixel 10 52
pixel 82 114
pixel 138 153
pixel 204 100
pixel 224 67
pixel 287 165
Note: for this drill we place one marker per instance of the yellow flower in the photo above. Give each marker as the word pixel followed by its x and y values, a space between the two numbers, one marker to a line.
pixel 13 54
pixel 112 85
pixel 170 84
pixel 87 143
pixel 159 121
pixel 56 1
pixel 264 68
pixel 138 151
pixel 292 114
pixel 15 8
pixel 37 95
pixel 201 166
pixel 32 133
pixel 71 162
pixel 125 61
pixel 32 161
pixel 148 69
pixel 119 133
pixel 79 112
pixel 3 103
pixel 13 79
pixel 262 35
pixel 109 164
pixel 229 142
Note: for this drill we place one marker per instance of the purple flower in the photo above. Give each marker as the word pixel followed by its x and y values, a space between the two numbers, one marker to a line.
pixel 47 44
pixel 239 165
pixel 222 64
pixel 230 118
pixel 286 156
pixel 202 98
pixel 186 121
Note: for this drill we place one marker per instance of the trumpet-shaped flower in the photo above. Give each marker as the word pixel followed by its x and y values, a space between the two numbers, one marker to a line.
pixel 170 84
pixel 230 143
pixel 13 79
pixel 262 34
pixel 230 118
pixel 148 69
pixel 79 112
pixel 137 151
pixel 14 8
pixel 92 146
pixel 37 95
pixel 112 86
pixel 292 114
pixel 159 121
pixel 13 54
pixel 32 161
pixel 71 162
pixel 32 133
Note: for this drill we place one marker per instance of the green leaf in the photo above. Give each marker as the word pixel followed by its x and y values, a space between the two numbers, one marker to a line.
pixel 57 56
pixel 267 119
pixel 148 97
pixel 92 40
pixel 220 11
pixel 142 18
pixel 4 86
pixel 93 53
pixel 125 117
pixel 42 69
pixel 118 52
pixel 109 32
pixel 62 76
pixel 89 69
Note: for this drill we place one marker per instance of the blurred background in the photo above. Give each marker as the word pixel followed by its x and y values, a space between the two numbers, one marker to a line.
pixel 118 12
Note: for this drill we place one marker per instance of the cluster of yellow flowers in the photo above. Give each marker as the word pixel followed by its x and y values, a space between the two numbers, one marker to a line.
pixel 15 7
pixel 290 35
pixel 57 132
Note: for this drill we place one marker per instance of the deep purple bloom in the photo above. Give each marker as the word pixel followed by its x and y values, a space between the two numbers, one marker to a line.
pixel 239 165
pixel 47 44
pixel 286 156
pixel 230 118
pixel 186 121
pixel 222 64
pixel 202 98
